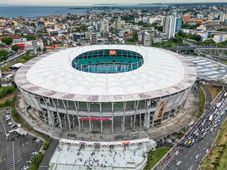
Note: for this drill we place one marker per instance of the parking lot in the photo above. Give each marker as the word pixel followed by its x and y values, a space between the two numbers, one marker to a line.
pixel 16 146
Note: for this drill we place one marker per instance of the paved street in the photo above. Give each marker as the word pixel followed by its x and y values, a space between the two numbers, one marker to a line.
pixel 15 149
pixel 2 145
pixel 184 158
pixel 13 57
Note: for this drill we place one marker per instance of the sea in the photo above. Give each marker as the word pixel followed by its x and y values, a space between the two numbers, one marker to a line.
pixel 39 11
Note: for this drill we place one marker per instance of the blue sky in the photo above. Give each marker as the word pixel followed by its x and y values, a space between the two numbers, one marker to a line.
pixel 88 2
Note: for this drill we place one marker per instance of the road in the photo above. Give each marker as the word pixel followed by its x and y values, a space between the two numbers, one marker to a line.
pixel 186 156
pixel 11 58
pixel 199 47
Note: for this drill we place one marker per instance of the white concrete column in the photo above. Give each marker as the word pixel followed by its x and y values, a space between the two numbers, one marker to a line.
pixel 78 118
pixel 58 115
pixel 49 115
pixel 67 115
pixel 123 122
pixel 140 120
pixel 88 109
pixel 73 120
pixel 131 121
pixel 134 122
pixel 112 121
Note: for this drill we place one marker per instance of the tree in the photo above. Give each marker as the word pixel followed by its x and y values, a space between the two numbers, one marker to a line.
pixel 7 40
pixel 222 44
pixel 181 34
pixel 209 42
pixel 82 28
pixel 190 26
pixel 15 48
pixel 30 37
pixel 196 37
pixel 3 54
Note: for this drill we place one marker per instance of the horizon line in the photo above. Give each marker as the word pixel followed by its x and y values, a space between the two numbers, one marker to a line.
pixel 107 4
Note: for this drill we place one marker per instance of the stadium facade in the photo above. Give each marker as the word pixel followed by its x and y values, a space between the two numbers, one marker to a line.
pixel 106 88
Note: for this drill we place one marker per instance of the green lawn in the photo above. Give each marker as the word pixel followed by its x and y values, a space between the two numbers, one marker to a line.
pixel 217 159
pixel 213 90
pixel 201 102
pixel 7 95
pixel 155 156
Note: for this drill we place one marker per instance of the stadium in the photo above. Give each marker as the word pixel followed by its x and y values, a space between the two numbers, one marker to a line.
pixel 106 88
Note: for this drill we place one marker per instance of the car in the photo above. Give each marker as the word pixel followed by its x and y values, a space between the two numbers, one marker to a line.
pixel 197 156
pixel 7 117
pixel 178 163
pixel 211 129
pixel 34 153
pixel 13 126
pixel 10 123
pixel 37 140
pixel 177 152
pixel 26 167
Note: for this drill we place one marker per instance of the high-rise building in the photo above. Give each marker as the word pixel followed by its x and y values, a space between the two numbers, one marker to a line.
pixel 220 38
pixel 119 24
pixel 104 25
pixel 40 26
pixel 178 24
pixel 222 17
pixel 144 38
pixel 77 36
pixel 170 26
pixel 147 39
pixel 93 38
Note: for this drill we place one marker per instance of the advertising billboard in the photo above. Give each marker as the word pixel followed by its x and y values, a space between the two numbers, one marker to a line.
pixel 160 109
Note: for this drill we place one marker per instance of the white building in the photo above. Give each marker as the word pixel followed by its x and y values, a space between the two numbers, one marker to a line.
pixel 220 38
pixel 147 39
pixel 222 17
pixel 144 38
pixel 104 25
pixel 119 24
pixel 170 26
pixel 93 38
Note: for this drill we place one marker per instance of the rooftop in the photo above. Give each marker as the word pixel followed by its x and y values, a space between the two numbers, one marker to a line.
pixel 52 75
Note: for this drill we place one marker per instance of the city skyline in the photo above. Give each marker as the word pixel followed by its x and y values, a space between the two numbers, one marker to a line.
pixel 90 2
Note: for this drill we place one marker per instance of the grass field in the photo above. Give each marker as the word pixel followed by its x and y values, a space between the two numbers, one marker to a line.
pixel 7 95
pixel 23 59
pixel 213 90
pixel 217 159
pixel 202 99
pixel 155 156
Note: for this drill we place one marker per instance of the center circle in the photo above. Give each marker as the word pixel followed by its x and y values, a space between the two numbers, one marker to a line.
pixel 108 61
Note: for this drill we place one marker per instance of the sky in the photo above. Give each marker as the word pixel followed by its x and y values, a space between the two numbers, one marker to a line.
pixel 90 2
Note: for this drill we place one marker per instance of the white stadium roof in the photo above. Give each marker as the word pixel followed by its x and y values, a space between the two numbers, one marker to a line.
pixel 52 75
